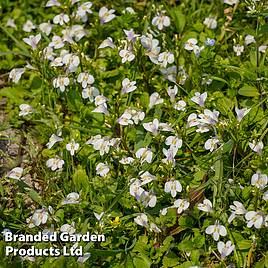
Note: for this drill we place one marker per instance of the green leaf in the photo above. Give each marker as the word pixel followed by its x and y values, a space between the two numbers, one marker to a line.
pixel 227 147
pixel 81 180
pixel 36 82
pixel 186 246
pixel 244 244
pixel 264 28
pixel 142 261
pixel 195 255
pixel 179 18
pixel 170 260
pixel 248 91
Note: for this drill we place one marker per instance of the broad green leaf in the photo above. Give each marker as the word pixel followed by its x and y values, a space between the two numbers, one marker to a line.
pixel 81 180
pixel 186 246
pixel 179 18
pixel 142 261
pixel 248 91
pixel 244 244
pixel 170 260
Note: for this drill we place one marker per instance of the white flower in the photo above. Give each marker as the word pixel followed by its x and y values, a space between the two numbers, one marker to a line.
pixel 205 206
pixel 151 45
pixel 174 141
pixel 67 35
pixel 145 155
pixel 146 177
pixel 57 42
pixel 137 115
pixel 172 92
pixel 52 140
pixel 211 144
pixel 169 154
pixel 131 36
pixel 230 2
pixel 164 58
pixel 46 28
pixel 72 61
pixel 259 180
pixel 128 86
pixel 241 113
pixel 180 105
pixel 68 228
pixel 135 188
pixel 209 117
pixel 238 49
pixel 29 66
pixel 61 19
pixel 49 54
pixel 11 23
pixel 256 146
pixel 249 39
pixel 173 187
pixel 28 26
pixel 106 15
pixel 200 98
pixel 90 93
pixel 77 32
pixel 142 220
pixel 100 144
pixel 71 198
pixel 85 79
pixel 155 99
pixel 32 41
pixel 51 3
pixel 102 108
pixel 154 228
pixel 164 211
pixel 61 82
pixel 102 169
pixel 197 50
pixel 254 218
pixel 126 55
pixel 225 249
pixel 210 22
pixel 55 163
pixel 98 216
pixel 237 209
pixel 126 160
pixel 190 44
pixel 100 99
pixel 40 216
pixel 130 10
pixel 15 173
pixel 148 199
pixel 107 43
pixel 72 147
pixel 152 126
pixel 15 74
pixel 125 119
pixel 161 21
pixel 262 48
pixel 25 109
pixel 181 204
pixel 192 120
pixel 216 230
pixel 83 9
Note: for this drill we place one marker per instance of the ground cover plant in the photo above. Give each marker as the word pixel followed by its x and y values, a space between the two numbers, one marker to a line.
pixel 143 121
